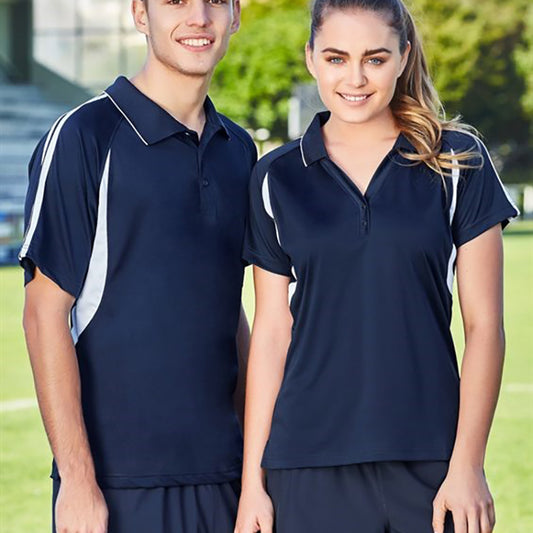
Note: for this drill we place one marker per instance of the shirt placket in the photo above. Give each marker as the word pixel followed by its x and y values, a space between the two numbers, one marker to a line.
pixel 207 193
pixel 346 184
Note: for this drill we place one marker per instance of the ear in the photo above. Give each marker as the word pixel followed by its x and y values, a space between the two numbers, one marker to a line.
pixel 405 57
pixel 236 23
pixel 139 12
pixel 309 60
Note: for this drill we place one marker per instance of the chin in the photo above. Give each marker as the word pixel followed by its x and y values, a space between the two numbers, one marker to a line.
pixel 352 117
pixel 187 66
pixel 193 72
pixel 190 68
pixel 357 116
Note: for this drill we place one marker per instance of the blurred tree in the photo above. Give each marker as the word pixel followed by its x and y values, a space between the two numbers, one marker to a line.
pixel 266 58
pixel 524 59
pixel 451 33
pixel 471 49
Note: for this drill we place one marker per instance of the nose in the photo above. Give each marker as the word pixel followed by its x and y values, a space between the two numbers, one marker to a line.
pixel 198 14
pixel 357 75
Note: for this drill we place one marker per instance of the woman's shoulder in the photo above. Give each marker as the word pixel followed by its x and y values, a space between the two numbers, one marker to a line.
pixel 461 140
pixel 288 150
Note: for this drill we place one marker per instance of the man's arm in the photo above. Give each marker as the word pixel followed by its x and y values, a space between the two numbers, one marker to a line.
pixel 80 504
pixel 243 347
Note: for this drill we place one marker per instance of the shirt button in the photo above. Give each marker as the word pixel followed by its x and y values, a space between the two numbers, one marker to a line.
pixel 205 183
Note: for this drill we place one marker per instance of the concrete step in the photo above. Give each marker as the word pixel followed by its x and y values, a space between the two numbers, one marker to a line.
pixel 35 114
pixel 25 116
pixel 10 167
pixel 17 189
pixel 29 108
pixel 18 92
pixel 14 147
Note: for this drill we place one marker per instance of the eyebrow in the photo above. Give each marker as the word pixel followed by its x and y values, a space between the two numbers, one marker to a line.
pixel 366 52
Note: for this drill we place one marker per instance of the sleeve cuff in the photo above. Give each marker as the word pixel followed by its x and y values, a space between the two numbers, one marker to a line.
pixel 29 263
pixel 266 264
pixel 470 233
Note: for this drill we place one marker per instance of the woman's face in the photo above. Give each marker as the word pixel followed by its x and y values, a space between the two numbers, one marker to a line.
pixel 356 62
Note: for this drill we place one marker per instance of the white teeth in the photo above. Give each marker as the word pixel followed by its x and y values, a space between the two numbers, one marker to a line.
pixel 351 98
pixel 196 42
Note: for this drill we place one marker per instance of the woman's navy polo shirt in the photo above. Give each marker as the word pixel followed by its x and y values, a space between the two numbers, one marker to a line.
pixel 371 372
pixel 144 226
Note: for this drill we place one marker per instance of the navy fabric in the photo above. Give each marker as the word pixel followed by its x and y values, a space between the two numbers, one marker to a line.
pixel 384 497
pixel 143 223
pixel 184 509
pixel 371 372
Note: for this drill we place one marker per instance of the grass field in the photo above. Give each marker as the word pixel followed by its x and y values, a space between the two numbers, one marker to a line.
pixel 25 459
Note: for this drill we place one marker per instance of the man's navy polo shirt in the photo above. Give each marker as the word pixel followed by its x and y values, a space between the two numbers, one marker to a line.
pixel 144 226
pixel 371 372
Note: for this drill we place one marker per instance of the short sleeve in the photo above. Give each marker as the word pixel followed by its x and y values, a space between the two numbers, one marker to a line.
pixel 60 210
pixel 261 244
pixel 482 201
pixel 253 153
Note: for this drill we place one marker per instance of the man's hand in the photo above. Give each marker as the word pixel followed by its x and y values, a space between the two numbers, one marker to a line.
pixel 256 512
pixel 80 508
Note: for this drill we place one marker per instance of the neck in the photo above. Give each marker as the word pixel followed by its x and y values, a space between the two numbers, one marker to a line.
pixel 180 95
pixel 381 128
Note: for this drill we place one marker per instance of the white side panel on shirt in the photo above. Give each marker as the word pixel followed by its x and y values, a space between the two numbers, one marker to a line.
pixel 453 206
pixel 265 190
pixel 93 289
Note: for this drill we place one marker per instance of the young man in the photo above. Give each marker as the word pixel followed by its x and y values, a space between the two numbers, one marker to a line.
pixel 135 221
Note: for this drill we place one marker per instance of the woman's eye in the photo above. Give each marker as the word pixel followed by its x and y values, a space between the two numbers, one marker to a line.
pixel 335 60
pixel 376 61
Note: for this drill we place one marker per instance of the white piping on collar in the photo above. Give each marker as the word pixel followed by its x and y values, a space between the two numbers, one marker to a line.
pixel 126 117
pixel 302 151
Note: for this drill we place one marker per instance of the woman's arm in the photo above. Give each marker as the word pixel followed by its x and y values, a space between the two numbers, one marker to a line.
pixel 243 348
pixel 271 335
pixel 480 283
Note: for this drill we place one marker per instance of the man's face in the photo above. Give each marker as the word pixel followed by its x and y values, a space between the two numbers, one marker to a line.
pixel 188 36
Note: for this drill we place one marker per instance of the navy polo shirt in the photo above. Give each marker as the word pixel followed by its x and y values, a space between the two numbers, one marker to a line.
pixel 371 372
pixel 143 223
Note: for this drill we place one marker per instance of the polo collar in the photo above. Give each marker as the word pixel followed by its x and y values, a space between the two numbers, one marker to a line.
pixel 403 143
pixel 149 120
pixel 312 144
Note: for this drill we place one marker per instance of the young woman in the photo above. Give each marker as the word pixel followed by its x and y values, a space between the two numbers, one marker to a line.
pixel 356 419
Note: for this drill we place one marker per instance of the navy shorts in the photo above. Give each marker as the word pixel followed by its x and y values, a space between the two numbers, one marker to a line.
pixel 182 509
pixel 382 497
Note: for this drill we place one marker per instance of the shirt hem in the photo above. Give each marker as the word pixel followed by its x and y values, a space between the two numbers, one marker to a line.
pixel 167 480
pixel 314 460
